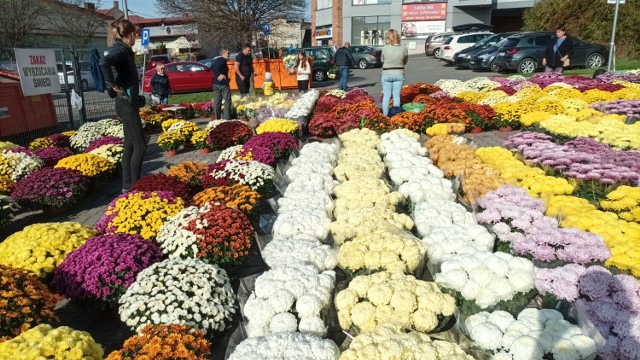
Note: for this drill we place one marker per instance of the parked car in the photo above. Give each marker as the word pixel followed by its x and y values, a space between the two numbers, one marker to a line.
pixel 208 62
pixel 184 76
pixel 459 42
pixel 524 52
pixel 434 42
pixel 485 58
pixel 461 58
pixel 366 56
pixel 322 60
pixel 85 74
pixel 156 60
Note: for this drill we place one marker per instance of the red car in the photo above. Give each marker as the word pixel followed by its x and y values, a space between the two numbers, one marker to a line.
pixel 157 60
pixel 184 76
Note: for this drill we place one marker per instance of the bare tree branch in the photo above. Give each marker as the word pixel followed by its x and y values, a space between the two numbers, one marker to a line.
pixel 78 25
pixel 17 19
pixel 231 23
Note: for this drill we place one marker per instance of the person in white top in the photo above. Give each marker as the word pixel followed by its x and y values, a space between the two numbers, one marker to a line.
pixel 303 70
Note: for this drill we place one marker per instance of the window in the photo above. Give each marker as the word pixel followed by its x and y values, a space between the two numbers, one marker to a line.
pixel 542 40
pixel 171 68
pixel 322 54
pixel 448 41
pixel 369 30
pixel 324 4
pixel 370 2
pixel 196 68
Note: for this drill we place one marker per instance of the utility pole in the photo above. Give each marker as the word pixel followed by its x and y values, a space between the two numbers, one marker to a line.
pixel 126 9
pixel 612 48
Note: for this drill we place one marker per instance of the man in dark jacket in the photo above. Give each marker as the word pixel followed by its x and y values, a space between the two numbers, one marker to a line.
pixel 558 52
pixel 344 60
pixel 244 69
pixel 160 86
pixel 221 88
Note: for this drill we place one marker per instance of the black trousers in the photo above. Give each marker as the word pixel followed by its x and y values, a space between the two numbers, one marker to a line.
pixel 222 92
pixel 243 85
pixel 134 143
pixel 303 86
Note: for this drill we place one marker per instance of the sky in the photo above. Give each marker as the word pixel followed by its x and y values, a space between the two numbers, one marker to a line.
pixel 147 8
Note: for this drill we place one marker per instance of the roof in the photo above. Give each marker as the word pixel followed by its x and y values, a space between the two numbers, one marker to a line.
pixel 176 20
pixel 80 9
pixel 9 75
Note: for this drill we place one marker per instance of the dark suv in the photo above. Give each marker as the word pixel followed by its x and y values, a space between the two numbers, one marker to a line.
pixel 322 60
pixel 524 52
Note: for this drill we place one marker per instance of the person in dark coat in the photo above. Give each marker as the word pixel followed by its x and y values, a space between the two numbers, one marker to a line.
pixel 344 60
pixel 244 69
pixel 124 89
pixel 160 85
pixel 221 89
pixel 558 52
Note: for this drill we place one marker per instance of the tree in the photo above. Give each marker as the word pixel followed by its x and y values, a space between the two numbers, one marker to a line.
pixel 17 19
pixel 71 20
pixel 589 21
pixel 231 23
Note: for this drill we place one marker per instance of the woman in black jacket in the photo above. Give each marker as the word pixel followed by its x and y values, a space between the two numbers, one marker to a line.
pixel 558 52
pixel 124 88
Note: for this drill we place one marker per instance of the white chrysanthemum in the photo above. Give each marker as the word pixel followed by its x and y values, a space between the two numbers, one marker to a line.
pixel 526 348
pixel 501 319
pixel 281 301
pixel 283 322
pixel 487 335
pixel 308 306
pixel 312 325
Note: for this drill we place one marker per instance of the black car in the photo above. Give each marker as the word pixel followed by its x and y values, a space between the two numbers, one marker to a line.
pixel 323 60
pixel 366 56
pixel 485 58
pixel 461 58
pixel 524 52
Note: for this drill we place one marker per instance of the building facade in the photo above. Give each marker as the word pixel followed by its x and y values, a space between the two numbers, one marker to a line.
pixel 364 22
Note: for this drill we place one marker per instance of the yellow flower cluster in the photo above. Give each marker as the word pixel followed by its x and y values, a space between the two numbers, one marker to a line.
pixel 494 97
pixel 166 124
pixel 460 160
pixel 45 342
pixel 607 129
pixel 473 96
pixel 41 247
pixel 155 120
pixel 185 128
pixel 625 201
pixel 278 125
pixel 622 237
pixel 69 133
pixel 4 145
pixel 445 128
pixel 512 111
pixel 41 143
pixel 171 140
pixel 516 172
pixel 137 215
pixel 6 185
pixel 199 139
pixel 89 165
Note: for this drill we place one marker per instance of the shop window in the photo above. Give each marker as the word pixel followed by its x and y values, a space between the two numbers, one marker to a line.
pixel 369 30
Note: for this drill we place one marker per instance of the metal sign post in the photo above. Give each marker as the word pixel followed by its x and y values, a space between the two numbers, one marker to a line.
pixel 613 33
pixel 144 45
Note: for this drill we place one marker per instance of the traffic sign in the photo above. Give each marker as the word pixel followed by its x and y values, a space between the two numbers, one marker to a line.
pixel 614 1
pixel 145 37
pixel 267 29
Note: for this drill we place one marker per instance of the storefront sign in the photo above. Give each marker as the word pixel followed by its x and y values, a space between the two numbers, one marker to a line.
pixel 421 29
pixel 424 12
pixel 323 33
pixel 38 72
pixel 421 1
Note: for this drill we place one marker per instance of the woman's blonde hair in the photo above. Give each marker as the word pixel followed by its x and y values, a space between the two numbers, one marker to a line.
pixel 393 37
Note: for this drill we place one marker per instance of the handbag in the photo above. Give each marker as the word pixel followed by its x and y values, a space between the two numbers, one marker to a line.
pixel 566 63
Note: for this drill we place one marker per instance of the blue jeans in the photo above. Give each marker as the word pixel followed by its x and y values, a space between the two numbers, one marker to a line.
pixel 164 100
pixel 391 84
pixel 344 77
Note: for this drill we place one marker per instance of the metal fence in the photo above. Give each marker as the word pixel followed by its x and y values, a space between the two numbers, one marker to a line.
pixel 74 72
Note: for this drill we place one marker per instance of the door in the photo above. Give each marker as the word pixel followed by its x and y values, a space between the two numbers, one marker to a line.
pixel 580 52
pixel 540 46
pixel 200 77
pixel 177 78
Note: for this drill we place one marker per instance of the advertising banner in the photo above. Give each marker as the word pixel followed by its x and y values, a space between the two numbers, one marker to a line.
pixel 420 29
pixel 424 12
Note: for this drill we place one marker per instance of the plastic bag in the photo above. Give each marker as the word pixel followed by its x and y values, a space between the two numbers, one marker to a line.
pixel 413 107
pixel 76 100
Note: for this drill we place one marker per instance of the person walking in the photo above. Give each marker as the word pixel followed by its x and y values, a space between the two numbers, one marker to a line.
pixel 558 52
pixel 394 59
pixel 124 89
pixel 244 69
pixel 304 71
pixel 221 88
pixel 344 60
pixel 160 86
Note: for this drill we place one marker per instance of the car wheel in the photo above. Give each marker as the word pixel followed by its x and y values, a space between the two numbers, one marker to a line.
pixel 527 66
pixel 595 61
pixel 85 85
pixel 437 52
pixel 319 75
pixel 363 64
pixel 493 67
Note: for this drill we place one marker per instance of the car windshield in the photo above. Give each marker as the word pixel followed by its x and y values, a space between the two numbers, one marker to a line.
pixel 501 42
pixel 487 40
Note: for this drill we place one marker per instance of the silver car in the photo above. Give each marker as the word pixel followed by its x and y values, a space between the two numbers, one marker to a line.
pixel 433 44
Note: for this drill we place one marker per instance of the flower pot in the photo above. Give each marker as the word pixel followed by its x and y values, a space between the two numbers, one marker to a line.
pixel 188 145
pixel 204 151
pixel 171 152
pixel 56 211
pixel 476 130
pixel 505 129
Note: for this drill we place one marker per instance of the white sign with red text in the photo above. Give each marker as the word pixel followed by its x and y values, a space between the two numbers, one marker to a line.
pixel 38 71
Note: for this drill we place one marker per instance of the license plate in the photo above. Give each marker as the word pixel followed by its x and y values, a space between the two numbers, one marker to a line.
pixel 502 53
pixel 472 62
